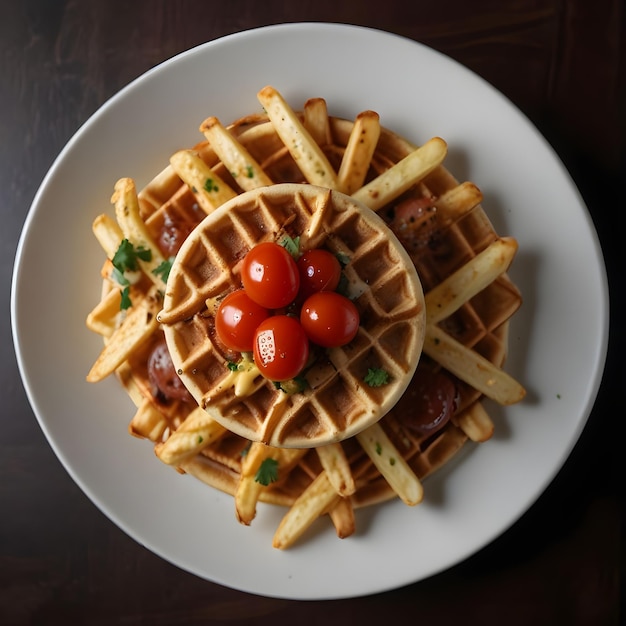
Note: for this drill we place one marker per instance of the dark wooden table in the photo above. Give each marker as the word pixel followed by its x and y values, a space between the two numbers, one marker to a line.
pixel 562 62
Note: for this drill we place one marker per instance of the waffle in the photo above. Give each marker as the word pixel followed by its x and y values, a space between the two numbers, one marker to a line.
pixel 382 282
pixel 445 239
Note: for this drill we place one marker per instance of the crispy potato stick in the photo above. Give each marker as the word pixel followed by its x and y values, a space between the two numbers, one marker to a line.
pixel 208 188
pixel 139 323
pixel 248 489
pixel 210 475
pixel 334 461
pixel 475 422
pixel 108 233
pixel 148 422
pixel 238 161
pixel 459 200
pixel 359 150
pixel 102 318
pixel 307 154
pixel 398 178
pixel 197 431
pixel 471 367
pixel 129 218
pixel 316 120
pixel 317 498
pixel 342 516
pixel 470 279
pixel 391 465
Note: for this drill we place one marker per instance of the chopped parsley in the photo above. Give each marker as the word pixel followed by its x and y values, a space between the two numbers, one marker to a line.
pixel 292 245
pixel 249 171
pixel 125 259
pixel 163 269
pixel 125 302
pixel 295 385
pixel 267 472
pixel 209 185
pixel 127 255
pixel 232 366
pixel 376 377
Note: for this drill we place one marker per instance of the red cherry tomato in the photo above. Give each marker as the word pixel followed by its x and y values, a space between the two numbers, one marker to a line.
pixel 270 275
pixel 163 376
pixel 281 348
pixel 329 319
pixel 320 270
pixel 236 320
pixel 429 402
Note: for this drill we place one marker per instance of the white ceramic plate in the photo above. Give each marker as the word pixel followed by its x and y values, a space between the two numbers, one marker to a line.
pixel 558 339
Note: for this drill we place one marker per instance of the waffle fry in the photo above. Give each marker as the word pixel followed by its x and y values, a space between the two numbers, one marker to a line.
pixel 468 300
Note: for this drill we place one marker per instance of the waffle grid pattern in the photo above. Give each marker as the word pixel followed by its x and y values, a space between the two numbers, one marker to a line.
pixel 481 324
pixel 337 401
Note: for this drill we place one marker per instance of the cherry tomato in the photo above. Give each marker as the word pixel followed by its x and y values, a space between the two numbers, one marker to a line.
pixel 329 319
pixel 163 376
pixel 270 276
pixel 236 320
pixel 320 270
pixel 429 402
pixel 281 348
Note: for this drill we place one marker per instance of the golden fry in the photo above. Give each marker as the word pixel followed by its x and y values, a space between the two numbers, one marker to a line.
pixel 334 461
pixel 316 121
pixel 405 173
pixel 238 161
pixel 138 325
pixel 208 188
pixel 475 422
pixel 359 151
pixel 471 367
pixel 342 517
pixel 306 153
pixel 470 279
pixel 129 218
pixel 196 432
pixel 390 463
pixel 315 500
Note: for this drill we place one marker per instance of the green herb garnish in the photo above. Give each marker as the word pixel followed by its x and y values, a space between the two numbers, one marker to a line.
pixel 376 377
pixel 267 472
pixel 292 245
pixel 163 269
pixel 210 185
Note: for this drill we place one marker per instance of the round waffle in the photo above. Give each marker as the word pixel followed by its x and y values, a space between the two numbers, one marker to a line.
pixel 381 280
pixel 445 238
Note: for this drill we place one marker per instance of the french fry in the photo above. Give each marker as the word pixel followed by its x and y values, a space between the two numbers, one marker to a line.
pixel 315 500
pixel 249 488
pixel 459 200
pixel 196 432
pixel 334 461
pixel 390 463
pixel 208 188
pixel 148 422
pixel 239 162
pixel 475 422
pixel 305 151
pixel 108 233
pixel 359 151
pixel 470 279
pixel 405 173
pixel 316 121
pixel 129 219
pixel 102 318
pixel 138 325
pixel 342 517
pixel 471 368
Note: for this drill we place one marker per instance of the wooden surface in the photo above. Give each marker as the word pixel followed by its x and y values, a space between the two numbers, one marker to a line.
pixel 63 562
